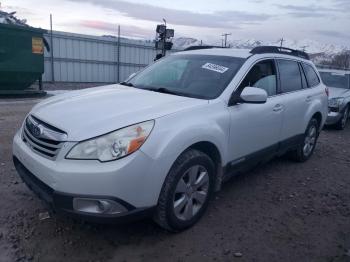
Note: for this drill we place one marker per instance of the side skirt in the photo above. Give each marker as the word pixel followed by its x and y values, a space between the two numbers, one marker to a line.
pixel 246 163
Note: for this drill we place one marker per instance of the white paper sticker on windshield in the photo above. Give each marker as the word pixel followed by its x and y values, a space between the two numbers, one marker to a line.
pixel 214 67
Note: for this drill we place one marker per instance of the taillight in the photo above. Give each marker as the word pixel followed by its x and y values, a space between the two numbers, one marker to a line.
pixel 327 91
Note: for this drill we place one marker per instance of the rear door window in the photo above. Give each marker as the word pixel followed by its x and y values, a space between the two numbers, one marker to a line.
pixel 290 76
pixel 311 75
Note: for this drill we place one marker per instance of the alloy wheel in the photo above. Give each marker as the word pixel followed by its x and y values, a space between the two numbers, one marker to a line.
pixel 310 140
pixel 345 118
pixel 191 192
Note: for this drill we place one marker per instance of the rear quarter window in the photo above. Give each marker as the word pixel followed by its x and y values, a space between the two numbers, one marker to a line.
pixel 311 75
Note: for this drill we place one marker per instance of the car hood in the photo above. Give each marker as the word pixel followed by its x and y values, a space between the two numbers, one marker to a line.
pixel 338 92
pixel 95 111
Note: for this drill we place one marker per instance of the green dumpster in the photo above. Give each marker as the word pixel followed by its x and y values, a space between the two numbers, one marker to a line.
pixel 21 58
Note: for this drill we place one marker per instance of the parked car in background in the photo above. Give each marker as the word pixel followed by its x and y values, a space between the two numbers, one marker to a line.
pixel 338 82
pixel 161 143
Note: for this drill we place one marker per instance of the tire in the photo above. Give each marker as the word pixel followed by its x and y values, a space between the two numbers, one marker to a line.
pixel 305 150
pixel 344 119
pixel 188 186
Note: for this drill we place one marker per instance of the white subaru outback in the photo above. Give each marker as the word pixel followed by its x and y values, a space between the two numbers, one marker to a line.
pixel 162 142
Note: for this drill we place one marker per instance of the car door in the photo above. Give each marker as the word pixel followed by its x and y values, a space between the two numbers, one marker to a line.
pixel 295 98
pixel 255 128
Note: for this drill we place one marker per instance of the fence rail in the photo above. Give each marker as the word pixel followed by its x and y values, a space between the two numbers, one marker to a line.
pixel 84 58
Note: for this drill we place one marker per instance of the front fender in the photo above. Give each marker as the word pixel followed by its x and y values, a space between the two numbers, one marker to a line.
pixel 170 141
pixel 173 134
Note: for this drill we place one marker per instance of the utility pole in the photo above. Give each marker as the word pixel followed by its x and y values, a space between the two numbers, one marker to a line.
pixel 164 40
pixel 163 35
pixel 225 35
pixel 304 47
pixel 282 41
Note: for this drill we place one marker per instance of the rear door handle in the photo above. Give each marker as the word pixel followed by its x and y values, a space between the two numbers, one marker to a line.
pixel 278 108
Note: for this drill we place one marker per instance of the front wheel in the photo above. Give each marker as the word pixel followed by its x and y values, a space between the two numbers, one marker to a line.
pixel 186 191
pixel 306 148
pixel 344 119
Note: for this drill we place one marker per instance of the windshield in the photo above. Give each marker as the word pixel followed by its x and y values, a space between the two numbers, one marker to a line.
pixel 199 76
pixel 335 79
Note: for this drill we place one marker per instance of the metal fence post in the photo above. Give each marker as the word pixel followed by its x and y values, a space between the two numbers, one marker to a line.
pixel 118 56
pixel 51 48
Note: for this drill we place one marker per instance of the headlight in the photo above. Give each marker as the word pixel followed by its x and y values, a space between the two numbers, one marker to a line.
pixel 335 102
pixel 113 145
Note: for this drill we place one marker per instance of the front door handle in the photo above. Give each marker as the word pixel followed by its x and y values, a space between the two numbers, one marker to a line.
pixel 308 99
pixel 278 108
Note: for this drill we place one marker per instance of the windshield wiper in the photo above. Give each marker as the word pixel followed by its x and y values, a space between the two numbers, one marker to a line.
pixel 162 90
pixel 126 84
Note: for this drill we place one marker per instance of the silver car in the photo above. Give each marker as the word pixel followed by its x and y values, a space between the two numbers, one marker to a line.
pixel 162 142
pixel 338 82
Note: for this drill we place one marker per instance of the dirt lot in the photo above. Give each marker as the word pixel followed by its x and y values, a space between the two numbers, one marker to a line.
pixel 282 211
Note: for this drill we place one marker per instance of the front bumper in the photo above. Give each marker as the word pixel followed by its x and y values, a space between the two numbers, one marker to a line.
pixel 63 202
pixel 134 181
pixel 333 118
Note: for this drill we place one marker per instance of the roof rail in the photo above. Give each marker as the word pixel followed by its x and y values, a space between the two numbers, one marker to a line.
pixel 198 47
pixel 279 50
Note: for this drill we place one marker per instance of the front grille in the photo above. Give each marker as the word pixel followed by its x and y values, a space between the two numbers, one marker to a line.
pixel 41 143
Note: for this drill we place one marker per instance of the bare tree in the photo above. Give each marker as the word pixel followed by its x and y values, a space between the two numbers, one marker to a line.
pixel 341 60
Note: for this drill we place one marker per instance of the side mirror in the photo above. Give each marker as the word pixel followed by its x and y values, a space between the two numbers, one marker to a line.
pixel 253 95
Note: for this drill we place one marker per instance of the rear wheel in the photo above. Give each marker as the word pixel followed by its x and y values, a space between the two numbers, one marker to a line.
pixel 307 147
pixel 342 122
pixel 186 191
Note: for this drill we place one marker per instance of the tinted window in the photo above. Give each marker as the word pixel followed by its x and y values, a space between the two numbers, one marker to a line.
pixel 303 78
pixel 333 79
pixel 311 75
pixel 200 76
pixel 262 75
pixel 289 75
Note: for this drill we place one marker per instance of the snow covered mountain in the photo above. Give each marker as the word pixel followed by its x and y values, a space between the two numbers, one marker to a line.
pixel 184 42
pixel 310 46
pixel 318 51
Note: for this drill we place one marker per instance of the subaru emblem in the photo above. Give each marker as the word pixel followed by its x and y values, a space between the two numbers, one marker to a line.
pixel 37 130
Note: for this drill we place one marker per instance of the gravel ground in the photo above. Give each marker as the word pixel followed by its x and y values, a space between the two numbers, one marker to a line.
pixel 282 211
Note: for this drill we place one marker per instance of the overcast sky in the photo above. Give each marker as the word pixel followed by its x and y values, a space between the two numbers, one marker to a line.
pixel 327 21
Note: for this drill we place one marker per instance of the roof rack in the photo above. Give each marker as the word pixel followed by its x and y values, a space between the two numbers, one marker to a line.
pixel 279 50
pixel 198 47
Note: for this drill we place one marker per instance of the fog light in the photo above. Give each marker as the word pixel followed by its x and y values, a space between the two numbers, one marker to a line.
pixel 98 206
